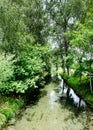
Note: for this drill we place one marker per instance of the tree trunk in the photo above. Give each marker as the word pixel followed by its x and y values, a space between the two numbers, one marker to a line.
pixel 90 68
pixel 68 70
pixel 63 65
pixel 66 53
pixel 80 61
pixel 79 102
pixel 68 91
pixel 63 87
pixel 90 84
pixel 80 78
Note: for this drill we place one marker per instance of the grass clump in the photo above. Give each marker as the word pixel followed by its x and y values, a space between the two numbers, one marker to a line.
pixel 8 107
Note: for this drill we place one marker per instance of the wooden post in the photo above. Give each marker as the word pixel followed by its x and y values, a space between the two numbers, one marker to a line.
pixel 90 80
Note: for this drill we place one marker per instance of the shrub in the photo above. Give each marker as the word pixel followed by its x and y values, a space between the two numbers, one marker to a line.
pixel 6 67
pixel 73 81
pixel 25 73
pixel 2 119
pixel 6 70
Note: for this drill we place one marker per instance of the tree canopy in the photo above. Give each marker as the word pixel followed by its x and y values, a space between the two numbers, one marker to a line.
pixel 27 27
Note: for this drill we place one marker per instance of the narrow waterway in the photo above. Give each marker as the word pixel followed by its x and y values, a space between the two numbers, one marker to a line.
pixel 49 114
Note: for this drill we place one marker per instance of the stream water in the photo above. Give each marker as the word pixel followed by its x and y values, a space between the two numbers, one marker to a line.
pixel 52 112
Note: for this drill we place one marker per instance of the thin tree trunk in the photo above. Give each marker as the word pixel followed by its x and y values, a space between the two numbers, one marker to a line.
pixel 79 102
pixel 63 66
pixel 80 78
pixel 90 84
pixel 63 87
pixel 80 61
pixel 68 91
pixel 66 53
pixel 68 70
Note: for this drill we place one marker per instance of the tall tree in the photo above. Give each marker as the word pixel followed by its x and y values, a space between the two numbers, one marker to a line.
pixel 12 26
pixel 21 22
pixel 63 16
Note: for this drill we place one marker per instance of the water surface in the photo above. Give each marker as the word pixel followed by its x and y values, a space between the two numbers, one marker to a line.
pixel 77 101
pixel 49 114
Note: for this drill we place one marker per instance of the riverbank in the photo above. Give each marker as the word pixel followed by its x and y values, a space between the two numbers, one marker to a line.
pixel 82 91
pixel 12 106
pixel 9 107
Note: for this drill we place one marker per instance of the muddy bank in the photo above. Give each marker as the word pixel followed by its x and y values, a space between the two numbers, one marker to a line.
pixel 49 114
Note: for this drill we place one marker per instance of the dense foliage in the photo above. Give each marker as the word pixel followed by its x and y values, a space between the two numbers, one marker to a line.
pixel 24 61
pixel 24 53
pixel 29 71
pixel 26 27
pixel 71 24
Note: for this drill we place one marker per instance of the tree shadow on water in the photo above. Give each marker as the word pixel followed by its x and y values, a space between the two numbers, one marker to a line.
pixel 43 93
pixel 68 103
pixel 33 97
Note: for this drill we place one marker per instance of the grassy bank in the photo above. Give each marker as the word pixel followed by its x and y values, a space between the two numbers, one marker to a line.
pixel 83 90
pixel 9 107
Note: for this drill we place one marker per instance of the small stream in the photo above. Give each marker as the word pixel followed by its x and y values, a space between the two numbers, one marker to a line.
pixel 53 111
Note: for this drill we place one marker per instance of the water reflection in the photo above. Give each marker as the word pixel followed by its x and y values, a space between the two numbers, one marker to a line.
pixel 77 100
pixel 53 98
pixel 65 91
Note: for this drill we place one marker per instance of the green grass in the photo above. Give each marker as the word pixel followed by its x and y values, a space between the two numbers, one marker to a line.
pixel 8 107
